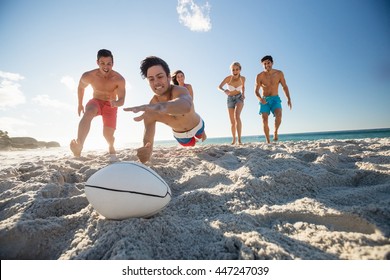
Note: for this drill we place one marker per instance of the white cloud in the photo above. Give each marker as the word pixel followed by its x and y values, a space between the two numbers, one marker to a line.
pixel 45 101
pixel 193 16
pixel 10 94
pixel 69 82
pixel 11 76
pixel 15 127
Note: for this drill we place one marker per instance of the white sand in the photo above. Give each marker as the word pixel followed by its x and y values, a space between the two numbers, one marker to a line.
pixel 293 200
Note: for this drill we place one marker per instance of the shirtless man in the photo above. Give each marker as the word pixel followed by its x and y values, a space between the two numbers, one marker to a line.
pixel 108 94
pixel 269 81
pixel 171 105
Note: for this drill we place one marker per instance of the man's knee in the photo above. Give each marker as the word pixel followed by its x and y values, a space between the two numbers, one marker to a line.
pixel 264 117
pixel 278 113
pixel 90 113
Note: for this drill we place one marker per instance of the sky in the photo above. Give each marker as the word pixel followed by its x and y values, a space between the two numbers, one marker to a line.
pixel 335 56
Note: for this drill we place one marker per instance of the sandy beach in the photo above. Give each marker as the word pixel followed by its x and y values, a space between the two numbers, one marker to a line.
pixel 327 199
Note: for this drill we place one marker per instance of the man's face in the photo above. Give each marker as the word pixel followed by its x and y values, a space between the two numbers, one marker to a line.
pixel 158 80
pixel 105 64
pixel 267 64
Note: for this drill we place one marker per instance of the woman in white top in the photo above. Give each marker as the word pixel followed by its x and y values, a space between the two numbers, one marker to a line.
pixel 235 99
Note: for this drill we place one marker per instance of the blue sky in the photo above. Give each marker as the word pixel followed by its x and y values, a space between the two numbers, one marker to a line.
pixel 334 55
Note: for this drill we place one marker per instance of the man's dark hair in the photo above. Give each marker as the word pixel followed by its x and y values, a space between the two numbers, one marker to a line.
pixel 104 53
pixel 267 57
pixel 153 61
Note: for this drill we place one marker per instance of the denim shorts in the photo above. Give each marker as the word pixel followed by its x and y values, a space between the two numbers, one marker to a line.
pixel 233 100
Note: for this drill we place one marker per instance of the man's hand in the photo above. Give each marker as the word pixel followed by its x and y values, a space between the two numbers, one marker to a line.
pixel 289 104
pixel 137 109
pixel 113 103
pixel 144 153
pixel 80 109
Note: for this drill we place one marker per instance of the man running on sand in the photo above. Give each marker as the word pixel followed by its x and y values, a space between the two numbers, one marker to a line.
pixel 269 81
pixel 108 94
pixel 170 104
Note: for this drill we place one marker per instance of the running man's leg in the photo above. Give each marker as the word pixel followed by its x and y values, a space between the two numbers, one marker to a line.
pixel 108 133
pixel 265 126
pixel 76 145
pixel 278 121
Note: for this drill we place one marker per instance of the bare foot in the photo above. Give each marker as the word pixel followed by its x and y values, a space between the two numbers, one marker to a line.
pixel 276 138
pixel 111 150
pixel 204 136
pixel 113 158
pixel 76 148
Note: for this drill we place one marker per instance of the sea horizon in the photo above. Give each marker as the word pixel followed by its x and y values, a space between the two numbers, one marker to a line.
pixel 285 137
pixel 302 136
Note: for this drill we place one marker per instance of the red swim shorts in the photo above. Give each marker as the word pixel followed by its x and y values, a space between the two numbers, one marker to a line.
pixel 105 110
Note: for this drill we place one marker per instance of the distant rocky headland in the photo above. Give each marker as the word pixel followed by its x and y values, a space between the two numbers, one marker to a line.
pixel 10 143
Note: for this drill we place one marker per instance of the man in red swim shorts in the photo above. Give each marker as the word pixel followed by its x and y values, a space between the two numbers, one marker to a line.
pixel 108 94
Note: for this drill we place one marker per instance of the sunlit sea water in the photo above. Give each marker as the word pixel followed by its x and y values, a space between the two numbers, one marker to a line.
pixel 10 157
pixel 310 136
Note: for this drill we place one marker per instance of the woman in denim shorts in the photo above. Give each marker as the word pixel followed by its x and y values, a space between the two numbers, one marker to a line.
pixel 235 99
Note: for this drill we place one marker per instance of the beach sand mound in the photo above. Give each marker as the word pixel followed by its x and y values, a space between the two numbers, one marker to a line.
pixel 326 199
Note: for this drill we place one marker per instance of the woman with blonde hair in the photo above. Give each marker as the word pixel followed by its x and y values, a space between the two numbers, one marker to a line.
pixel 235 92
pixel 178 78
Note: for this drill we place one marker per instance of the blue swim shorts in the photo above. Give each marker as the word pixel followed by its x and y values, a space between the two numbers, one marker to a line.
pixel 189 138
pixel 273 103
pixel 233 100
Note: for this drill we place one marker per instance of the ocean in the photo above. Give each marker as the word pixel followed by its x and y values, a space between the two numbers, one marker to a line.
pixel 308 136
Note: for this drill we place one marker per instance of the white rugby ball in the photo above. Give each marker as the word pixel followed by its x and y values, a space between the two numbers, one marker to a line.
pixel 127 190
